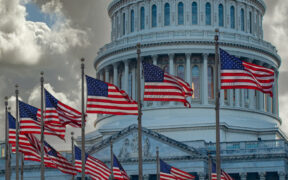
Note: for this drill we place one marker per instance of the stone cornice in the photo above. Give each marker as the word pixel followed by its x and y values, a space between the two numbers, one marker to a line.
pixel 186 42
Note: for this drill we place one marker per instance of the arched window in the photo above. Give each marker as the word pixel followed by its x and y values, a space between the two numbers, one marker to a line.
pixel 232 17
pixel 194 13
pixel 154 16
pixel 180 13
pixel 250 22
pixel 210 82
pixel 132 20
pixel 208 13
pixel 195 85
pixel 166 14
pixel 142 18
pixel 123 24
pixel 221 15
pixel 242 20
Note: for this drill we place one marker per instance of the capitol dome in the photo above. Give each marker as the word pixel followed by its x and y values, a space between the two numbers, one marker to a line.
pixel 178 36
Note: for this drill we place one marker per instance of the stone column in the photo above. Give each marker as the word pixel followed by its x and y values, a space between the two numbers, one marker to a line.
pixel 171 70
pixel 202 176
pixel 275 92
pixel 115 74
pixel 237 98
pixel 262 175
pixel 171 64
pixel 242 98
pixel 222 99
pixel 282 175
pixel 101 76
pixel 251 93
pixel 107 75
pixel 126 74
pixel 205 80
pixel 243 176
pixel 188 73
pixel 134 81
pixel 231 96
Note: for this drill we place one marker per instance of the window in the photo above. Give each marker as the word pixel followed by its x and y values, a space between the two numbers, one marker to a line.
pixel 210 82
pixel 142 18
pixel 232 17
pixel 195 82
pixel 194 13
pixel 221 15
pixel 167 14
pixel 242 20
pixel 250 22
pixel 208 14
pixel 154 16
pixel 123 24
pixel 132 21
pixel 180 13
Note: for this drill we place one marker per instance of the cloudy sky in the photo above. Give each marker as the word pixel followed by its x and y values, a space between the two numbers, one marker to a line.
pixel 52 36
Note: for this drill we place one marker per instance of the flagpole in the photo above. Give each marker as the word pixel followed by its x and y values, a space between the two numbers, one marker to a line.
pixel 111 159
pixel 22 166
pixel 7 153
pixel 83 119
pixel 42 128
pixel 73 153
pixel 217 104
pixel 139 113
pixel 158 164
pixel 17 132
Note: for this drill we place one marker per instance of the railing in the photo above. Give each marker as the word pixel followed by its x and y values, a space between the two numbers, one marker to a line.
pixel 251 147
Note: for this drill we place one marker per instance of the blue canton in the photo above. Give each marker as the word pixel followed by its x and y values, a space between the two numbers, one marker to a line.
pixel 12 121
pixel 50 100
pixel 77 153
pixel 116 163
pixel 27 111
pixel 165 168
pixel 230 62
pixel 152 73
pixel 51 151
pixel 96 87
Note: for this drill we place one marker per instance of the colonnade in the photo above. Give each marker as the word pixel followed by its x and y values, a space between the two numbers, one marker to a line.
pixel 232 98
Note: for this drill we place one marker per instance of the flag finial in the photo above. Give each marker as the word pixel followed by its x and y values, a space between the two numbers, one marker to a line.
pixel 82 59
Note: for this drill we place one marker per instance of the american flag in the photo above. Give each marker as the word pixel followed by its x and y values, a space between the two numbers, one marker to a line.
pixel 118 171
pixel 236 74
pixel 96 169
pixel 161 86
pixel 105 98
pixel 31 124
pixel 168 172
pixel 29 145
pixel 224 175
pixel 60 162
pixel 59 113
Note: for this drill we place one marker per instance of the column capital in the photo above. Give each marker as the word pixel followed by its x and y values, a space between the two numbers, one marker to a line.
pixel 171 55
pixel 188 55
pixel 205 55
pixel 126 62
pixel 154 56
pixel 201 176
pixel 107 69
pixel 115 65
pixel 243 175
pixel 281 173
pixel 262 174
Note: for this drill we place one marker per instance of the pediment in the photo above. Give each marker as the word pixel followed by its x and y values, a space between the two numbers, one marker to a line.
pixel 125 146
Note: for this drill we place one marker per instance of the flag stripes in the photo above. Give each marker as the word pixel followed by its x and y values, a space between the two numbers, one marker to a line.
pixel 237 74
pixel 161 86
pixel 105 98
pixel 118 171
pixel 168 172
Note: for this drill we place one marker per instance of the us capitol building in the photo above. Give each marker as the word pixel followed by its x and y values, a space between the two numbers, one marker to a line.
pixel 178 36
